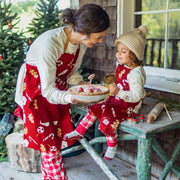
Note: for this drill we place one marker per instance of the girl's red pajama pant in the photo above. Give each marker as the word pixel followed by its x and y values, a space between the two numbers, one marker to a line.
pixel 88 121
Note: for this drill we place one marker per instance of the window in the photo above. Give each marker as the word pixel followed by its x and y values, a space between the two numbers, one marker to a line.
pixel 162 53
pixel 163 20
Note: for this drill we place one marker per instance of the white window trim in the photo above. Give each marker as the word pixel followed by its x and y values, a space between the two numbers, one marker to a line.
pixel 74 4
pixel 161 79
pixel 167 80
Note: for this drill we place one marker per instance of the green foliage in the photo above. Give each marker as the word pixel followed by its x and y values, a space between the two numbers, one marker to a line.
pixel 23 6
pixel 47 17
pixel 156 23
pixel 171 105
pixel 12 52
pixel 5 15
pixel 25 11
pixel 3 152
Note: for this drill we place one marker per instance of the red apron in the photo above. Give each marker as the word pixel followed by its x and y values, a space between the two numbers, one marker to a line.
pixel 114 110
pixel 45 124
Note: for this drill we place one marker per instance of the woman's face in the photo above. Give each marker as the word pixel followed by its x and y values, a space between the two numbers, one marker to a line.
pixel 94 38
pixel 122 54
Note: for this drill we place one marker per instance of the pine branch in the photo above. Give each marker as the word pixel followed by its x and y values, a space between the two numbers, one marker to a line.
pixel 12 52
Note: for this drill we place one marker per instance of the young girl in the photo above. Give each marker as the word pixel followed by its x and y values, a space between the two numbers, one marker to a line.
pixel 52 62
pixel 126 95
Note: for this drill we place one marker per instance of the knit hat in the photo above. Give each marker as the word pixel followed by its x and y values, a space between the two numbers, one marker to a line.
pixel 135 40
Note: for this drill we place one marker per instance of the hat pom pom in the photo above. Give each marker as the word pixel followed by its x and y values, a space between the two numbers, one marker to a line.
pixel 144 29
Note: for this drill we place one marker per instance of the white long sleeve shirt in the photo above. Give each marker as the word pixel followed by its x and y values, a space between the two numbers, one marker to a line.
pixel 136 79
pixel 44 53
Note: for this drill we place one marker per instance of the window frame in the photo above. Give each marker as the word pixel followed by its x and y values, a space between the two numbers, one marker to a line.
pixel 74 4
pixel 157 78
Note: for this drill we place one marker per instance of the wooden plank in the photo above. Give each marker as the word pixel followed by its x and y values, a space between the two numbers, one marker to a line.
pixel 97 140
pixel 98 160
pixel 169 164
pixel 79 167
pixel 167 80
pixel 7 173
pixel 163 155
pixel 163 73
pixel 159 83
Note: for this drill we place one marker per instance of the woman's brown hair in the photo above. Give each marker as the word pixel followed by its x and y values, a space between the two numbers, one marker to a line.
pixel 90 18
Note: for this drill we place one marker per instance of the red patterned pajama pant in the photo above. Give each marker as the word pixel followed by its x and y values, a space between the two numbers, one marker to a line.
pixel 88 121
pixel 52 167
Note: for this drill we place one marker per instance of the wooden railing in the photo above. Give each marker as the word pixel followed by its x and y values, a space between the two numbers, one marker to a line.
pixel 153 53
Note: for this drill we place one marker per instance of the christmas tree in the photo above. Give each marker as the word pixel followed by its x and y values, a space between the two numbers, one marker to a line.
pixel 11 57
pixel 47 17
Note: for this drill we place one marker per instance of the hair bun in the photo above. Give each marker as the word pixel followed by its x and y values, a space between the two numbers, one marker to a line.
pixel 144 29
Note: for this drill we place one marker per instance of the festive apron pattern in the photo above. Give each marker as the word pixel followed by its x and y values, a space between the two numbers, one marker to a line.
pixel 114 110
pixel 45 124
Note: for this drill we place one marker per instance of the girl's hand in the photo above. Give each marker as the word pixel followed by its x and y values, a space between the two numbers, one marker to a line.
pixel 113 89
pixel 83 82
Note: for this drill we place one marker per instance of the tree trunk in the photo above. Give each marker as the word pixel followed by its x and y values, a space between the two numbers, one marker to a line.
pixel 20 157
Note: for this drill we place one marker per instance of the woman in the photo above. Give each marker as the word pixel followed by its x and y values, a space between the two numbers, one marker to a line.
pixel 51 63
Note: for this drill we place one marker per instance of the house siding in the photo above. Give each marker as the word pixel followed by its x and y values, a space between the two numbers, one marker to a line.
pixel 101 58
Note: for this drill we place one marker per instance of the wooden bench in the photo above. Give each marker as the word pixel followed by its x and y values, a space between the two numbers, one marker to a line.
pixel 144 133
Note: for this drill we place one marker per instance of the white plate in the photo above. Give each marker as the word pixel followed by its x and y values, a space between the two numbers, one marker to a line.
pixel 88 97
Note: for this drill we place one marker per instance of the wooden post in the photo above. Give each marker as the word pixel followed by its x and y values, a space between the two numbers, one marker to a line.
pixel 152 53
pixel 143 164
pixel 159 53
pixel 145 53
pixel 174 64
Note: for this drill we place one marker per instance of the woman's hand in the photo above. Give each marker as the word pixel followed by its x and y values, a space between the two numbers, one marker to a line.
pixel 83 82
pixel 113 89
pixel 75 101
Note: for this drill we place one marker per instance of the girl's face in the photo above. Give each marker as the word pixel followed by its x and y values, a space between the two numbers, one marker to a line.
pixel 122 54
pixel 94 38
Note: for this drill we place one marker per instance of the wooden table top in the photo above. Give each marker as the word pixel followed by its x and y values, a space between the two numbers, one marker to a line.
pixel 161 124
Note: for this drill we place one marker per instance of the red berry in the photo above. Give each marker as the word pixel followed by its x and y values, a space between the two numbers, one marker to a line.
pixel 81 90
pixel 90 90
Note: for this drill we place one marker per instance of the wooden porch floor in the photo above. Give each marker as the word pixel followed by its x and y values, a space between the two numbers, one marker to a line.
pixel 80 167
